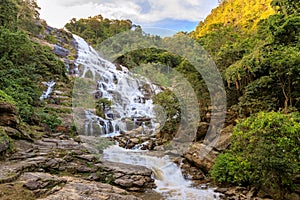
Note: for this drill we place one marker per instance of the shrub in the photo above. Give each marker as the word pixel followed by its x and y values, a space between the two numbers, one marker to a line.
pixel 264 151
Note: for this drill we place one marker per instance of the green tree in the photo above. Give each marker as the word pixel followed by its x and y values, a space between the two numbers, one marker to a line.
pixel 8 14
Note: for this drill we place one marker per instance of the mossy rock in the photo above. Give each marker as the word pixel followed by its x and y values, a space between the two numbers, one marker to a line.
pixel 5 142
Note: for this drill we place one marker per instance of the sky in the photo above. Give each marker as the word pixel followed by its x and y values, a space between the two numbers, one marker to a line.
pixel 171 15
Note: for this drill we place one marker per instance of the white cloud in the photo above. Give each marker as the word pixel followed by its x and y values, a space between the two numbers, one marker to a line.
pixel 58 12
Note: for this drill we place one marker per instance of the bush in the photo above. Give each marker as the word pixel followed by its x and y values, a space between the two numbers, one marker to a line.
pixel 264 151
pixel 6 98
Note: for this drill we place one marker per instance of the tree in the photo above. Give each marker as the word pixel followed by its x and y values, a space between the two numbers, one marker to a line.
pixel 287 7
pixel 8 14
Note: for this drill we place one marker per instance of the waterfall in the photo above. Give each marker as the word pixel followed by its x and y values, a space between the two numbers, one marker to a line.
pixel 131 106
pixel 129 94
pixel 168 176
pixel 46 93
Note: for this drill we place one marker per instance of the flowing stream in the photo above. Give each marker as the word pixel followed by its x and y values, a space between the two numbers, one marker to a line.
pixel 131 106
pixel 168 176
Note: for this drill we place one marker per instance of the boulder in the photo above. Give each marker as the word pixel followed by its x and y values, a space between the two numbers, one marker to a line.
pixel 202 130
pixel 201 155
pixel 130 177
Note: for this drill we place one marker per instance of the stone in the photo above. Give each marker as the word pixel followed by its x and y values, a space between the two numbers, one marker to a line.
pixel 60 51
pixel 40 182
pixel 202 130
pixel 201 156
pixel 134 178
pixel 32 185
pixel 53 164
pixel 223 141
pixel 81 189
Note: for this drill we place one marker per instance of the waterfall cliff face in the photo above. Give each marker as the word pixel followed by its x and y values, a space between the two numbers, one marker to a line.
pixel 129 94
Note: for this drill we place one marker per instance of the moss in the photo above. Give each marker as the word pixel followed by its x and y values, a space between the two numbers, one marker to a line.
pixel 4 138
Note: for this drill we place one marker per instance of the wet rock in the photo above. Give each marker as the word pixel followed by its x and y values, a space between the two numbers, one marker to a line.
pixel 134 178
pixel 60 51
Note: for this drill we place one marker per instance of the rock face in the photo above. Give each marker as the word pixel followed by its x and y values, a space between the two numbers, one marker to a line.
pixel 60 51
pixel 133 178
pixel 51 187
pixel 203 156
pixel 8 115
pixel 33 162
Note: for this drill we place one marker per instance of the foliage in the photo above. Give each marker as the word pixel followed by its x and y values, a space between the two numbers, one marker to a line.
pixel 6 98
pixel 268 77
pixel 243 15
pixel 102 105
pixel 21 69
pixel 96 29
pixel 51 120
pixel 8 14
pixel 264 151
pixel 171 115
pixel 28 16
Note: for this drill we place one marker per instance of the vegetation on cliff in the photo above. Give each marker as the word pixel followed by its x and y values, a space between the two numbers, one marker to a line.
pixel 24 63
pixel 260 67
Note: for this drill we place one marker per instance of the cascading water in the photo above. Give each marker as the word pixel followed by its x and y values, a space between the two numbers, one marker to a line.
pixel 131 102
pixel 130 96
pixel 46 93
pixel 168 176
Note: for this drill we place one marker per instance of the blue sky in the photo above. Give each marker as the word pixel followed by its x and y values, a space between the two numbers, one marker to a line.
pixel 177 15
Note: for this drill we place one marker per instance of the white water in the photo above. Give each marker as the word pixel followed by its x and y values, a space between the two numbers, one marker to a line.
pixel 168 176
pixel 46 94
pixel 130 100
pixel 130 94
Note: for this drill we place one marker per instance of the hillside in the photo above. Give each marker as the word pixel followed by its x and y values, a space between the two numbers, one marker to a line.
pixel 59 96
pixel 238 13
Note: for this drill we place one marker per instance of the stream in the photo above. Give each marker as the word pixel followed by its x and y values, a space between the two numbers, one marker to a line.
pixel 132 106
pixel 168 176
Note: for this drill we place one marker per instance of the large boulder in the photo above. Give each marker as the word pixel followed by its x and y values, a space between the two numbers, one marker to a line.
pixel 201 156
